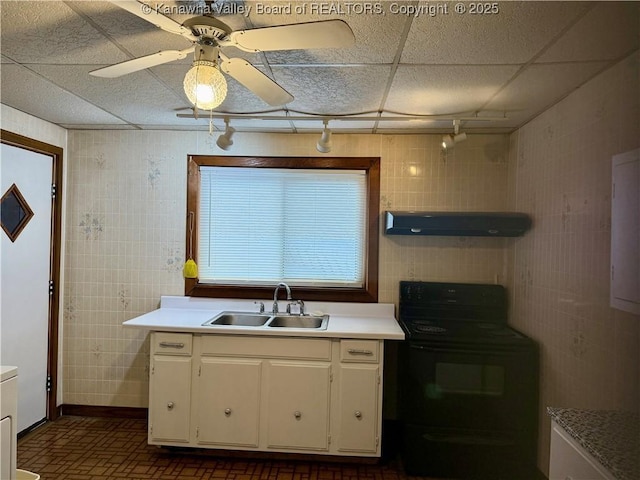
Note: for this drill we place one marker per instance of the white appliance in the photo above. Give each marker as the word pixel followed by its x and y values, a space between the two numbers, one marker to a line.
pixel 8 421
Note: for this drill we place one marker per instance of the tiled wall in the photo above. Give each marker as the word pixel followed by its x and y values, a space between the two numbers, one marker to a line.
pixel 561 175
pixel 126 229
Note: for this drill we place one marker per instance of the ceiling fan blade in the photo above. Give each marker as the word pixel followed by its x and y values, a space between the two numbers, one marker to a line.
pixel 147 13
pixel 256 81
pixel 299 36
pixel 141 63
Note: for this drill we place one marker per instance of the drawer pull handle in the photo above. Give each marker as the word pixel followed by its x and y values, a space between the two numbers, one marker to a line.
pixel 170 406
pixel 171 345
pixel 227 412
pixel 358 414
pixel 356 351
pixel 297 414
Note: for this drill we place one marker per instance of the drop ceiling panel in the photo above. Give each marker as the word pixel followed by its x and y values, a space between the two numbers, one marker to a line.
pixel 35 95
pixel 540 86
pixel 608 32
pixel 135 35
pixel 334 90
pixel 508 36
pixel 377 41
pixel 136 98
pixel 445 90
pixel 52 33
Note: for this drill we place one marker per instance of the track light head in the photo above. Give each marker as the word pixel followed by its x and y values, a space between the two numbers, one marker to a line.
pixel 224 141
pixel 324 144
pixel 449 141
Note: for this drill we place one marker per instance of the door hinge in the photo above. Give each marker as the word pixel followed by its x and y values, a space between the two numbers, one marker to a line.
pixel 48 383
pixel 197 432
pixel 329 439
pixel 53 190
pixel 51 287
pixel 200 370
pixel 377 441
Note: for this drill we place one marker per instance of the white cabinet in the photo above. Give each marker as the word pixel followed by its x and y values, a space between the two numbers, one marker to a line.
pixel 625 232
pixel 227 402
pixel 569 461
pixel 277 394
pixel 359 394
pixel 170 388
pixel 298 405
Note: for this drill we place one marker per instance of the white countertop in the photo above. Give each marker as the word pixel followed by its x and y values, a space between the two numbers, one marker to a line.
pixel 346 320
pixel 6 372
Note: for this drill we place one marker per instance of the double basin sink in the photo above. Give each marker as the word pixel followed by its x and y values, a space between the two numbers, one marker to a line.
pixel 268 320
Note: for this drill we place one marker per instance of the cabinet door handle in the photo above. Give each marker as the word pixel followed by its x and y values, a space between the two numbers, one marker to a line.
pixel 356 351
pixel 227 412
pixel 170 406
pixel 358 414
pixel 171 345
pixel 297 414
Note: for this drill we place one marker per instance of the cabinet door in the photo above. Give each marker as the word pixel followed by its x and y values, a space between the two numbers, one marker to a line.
pixel 298 405
pixel 170 398
pixel 228 402
pixel 358 408
pixel 625 232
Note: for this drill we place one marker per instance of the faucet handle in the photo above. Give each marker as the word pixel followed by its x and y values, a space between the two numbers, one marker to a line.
pixel 261 304
pixel 300 305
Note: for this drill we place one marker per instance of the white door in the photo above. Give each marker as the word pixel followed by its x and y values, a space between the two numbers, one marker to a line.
pixel 24 280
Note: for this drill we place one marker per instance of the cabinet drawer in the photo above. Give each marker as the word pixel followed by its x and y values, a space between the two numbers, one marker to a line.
pixel 361 351
pixel 240 346
pixel 166 343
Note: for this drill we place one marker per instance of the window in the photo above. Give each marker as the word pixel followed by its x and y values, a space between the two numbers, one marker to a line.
pixel 310 222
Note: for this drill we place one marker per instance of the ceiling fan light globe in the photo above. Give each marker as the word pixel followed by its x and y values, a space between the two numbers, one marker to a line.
pixel 205 86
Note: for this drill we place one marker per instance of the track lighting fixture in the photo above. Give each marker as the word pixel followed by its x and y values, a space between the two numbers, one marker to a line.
pixel 224 141
pixel 449 141
pixel 324 144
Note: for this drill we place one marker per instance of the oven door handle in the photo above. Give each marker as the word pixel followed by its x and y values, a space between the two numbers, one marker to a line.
pixel 464 351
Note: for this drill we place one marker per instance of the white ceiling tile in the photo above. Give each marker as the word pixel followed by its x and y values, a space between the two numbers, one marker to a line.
pixel 137 98
pixel 608 32
pixel 52 33
pixel 377 40
pixel 334 90
pixel 513 35
pixel 33 94
pixel 540 86
pixel 444 90
pixel 132 33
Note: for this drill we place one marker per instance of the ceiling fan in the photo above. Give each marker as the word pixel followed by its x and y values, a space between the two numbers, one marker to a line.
pixel 209 35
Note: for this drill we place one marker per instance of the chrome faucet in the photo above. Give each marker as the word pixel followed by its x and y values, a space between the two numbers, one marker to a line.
pixel 275 295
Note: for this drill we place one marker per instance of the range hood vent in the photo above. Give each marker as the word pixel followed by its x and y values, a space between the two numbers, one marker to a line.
pixel 467 224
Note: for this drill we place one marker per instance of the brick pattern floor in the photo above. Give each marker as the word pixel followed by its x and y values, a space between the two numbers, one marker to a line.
pixel 83 448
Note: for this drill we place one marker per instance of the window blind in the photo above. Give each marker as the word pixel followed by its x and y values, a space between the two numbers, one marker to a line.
pixel 306 227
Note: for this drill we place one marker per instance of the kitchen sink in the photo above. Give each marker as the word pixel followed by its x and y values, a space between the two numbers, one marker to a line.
pixel 299 321
pixel 239 319
pixel 268 320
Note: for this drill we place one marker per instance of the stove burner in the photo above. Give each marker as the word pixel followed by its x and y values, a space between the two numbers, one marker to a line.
pixel 430 329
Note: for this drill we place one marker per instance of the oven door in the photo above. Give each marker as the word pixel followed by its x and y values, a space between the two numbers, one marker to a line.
pixel 475 387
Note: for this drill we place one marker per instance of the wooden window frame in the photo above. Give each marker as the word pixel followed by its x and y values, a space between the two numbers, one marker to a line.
pixel 367 293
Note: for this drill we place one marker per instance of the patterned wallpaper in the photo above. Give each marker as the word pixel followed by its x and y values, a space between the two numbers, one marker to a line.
pixel 126 229
pixel 561 174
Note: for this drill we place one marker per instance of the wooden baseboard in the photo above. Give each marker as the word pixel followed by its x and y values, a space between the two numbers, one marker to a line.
pixel 102 411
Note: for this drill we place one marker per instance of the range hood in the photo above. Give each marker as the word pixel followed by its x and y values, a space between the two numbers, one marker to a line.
pixel 467 224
